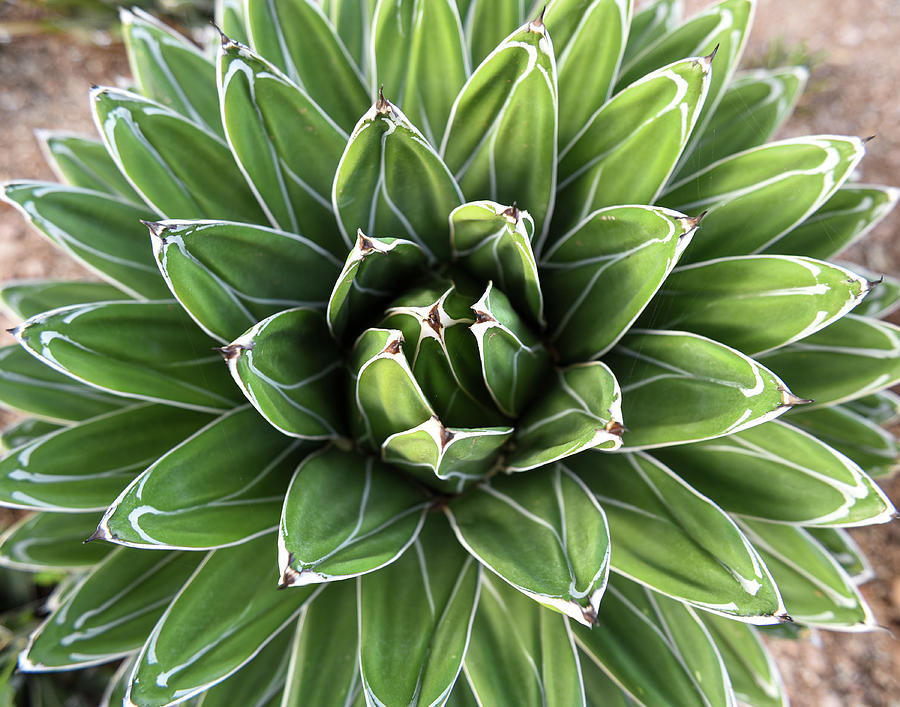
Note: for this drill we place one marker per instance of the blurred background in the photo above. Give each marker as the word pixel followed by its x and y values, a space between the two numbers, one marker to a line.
pixel 51 51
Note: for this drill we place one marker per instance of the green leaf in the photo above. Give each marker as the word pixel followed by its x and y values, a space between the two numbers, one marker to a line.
pixel 345 515
pixel 637 629
pixel 739 191
pixel 170 69
pixel 520 653
pixel 848 215
pixel 352 20
pixel 589 40
pixel 500 141
pixel 324 667
pixel 27 298
pixel 286 146
pixel 223 617
pixel 26 432
pixel 599 688
pixel 582 409
pixel 83 468
pixel 513 359
pixel 260 683
pixel 652 22
pixel 114 694
pixel 181 169
pixel 670 538
pixel 679 387
pixel 228 276
pixel 630 146
pixel 368 281
pixel 231 17
pixel 756 303
pixel 391 183
pixel 110 611
pixel 296 36
pixel 882 408
pixel 752 671
pixel 103 233
pixel 487 22
pixel 494 243
pixel 780 473
pixel 875 449
pixel 617 258
pixel 542 532
pixel 852 358
pixel 28 385
pixel 84 162
pixel 420 58
pixel 841 546
pixel 208 491
pixel 50 541
pixel 145 350
pixel 816 590
pixel 753 107
pixel 290 370
pixel 884 293
pixel 415 617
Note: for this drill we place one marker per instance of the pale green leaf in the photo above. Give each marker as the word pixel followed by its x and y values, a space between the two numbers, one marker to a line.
pixel 51 541
pixel 352 20
pixel 27 298
pixel 843 548
pixel 884 293
pixel 650 23
pixel 882 408
pixel 231 17
pixel 487 22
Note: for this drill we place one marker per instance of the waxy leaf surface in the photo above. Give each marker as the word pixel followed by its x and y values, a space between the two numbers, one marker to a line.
pixel 27 298
pixel 53 541
pixel 84 162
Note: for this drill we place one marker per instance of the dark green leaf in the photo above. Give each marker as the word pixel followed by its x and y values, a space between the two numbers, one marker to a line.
pixel 487 22
pixel 882 408
pixel 841 546
pixel 84 162
pixel 51 541
pixel 27 298
pixel 352 20
pixel 25 432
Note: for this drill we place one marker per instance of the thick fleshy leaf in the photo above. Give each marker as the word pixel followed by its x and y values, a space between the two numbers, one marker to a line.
pixel 53 541
pixel 102 232
pixel 675 541
pixel 208 491
pixel 415 617
pixel 114 693
pixel 841 546
pixel 228 276
pixel 520 653
pixel 756 303
pixel 226 613
pixel 84 162
pixel 739 191
pixel 179 168
pixel 391 183
pixel 286 146
pixel 345 515
pixel 850 359
pixel 420 59
pixel 83 468
pixel 500 141
pixel 26 432
pixel 650 23
pixel 617 258
pixel 352 20
pixel 599 688
pixel 589 39
pixel 291 371
pixel 872 447
pixel 260 683
pixel 816 590
pixel 27 385
pixel 494 243
pixel 847 216
pixel 753 673
pixel 781 473
pixel 679 387
pixel 630 146
pixel 170 69
pixel 753 107
pixel 582 409
pixel 513 359
pixel 296 36
pixel 324 667
pixel 884 296
pixel 146 350
pixel 487 22
pixel 371 276
pixel 231 17
pixel 882 408
pixel 110 611
pixel 544 533
pixel 27 298
pixel 637 628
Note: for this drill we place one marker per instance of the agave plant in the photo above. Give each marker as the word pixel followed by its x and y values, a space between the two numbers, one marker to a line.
pixel 503 420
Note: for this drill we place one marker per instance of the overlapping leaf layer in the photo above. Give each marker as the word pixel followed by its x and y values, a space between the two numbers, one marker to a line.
pixel 514 362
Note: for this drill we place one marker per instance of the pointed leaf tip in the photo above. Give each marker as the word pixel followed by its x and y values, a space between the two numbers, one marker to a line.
pixel 227 42
pixel 691 223
pixel 156 229
pixel 382 105
pixel 706 61
pixel 788 399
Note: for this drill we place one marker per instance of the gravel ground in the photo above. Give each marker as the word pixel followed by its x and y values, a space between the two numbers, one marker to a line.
pixel 44 83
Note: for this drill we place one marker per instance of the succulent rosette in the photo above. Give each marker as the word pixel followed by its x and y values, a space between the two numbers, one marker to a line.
pixel 537 380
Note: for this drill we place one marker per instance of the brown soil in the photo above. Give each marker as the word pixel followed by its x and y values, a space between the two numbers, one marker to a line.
pixel 44 83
